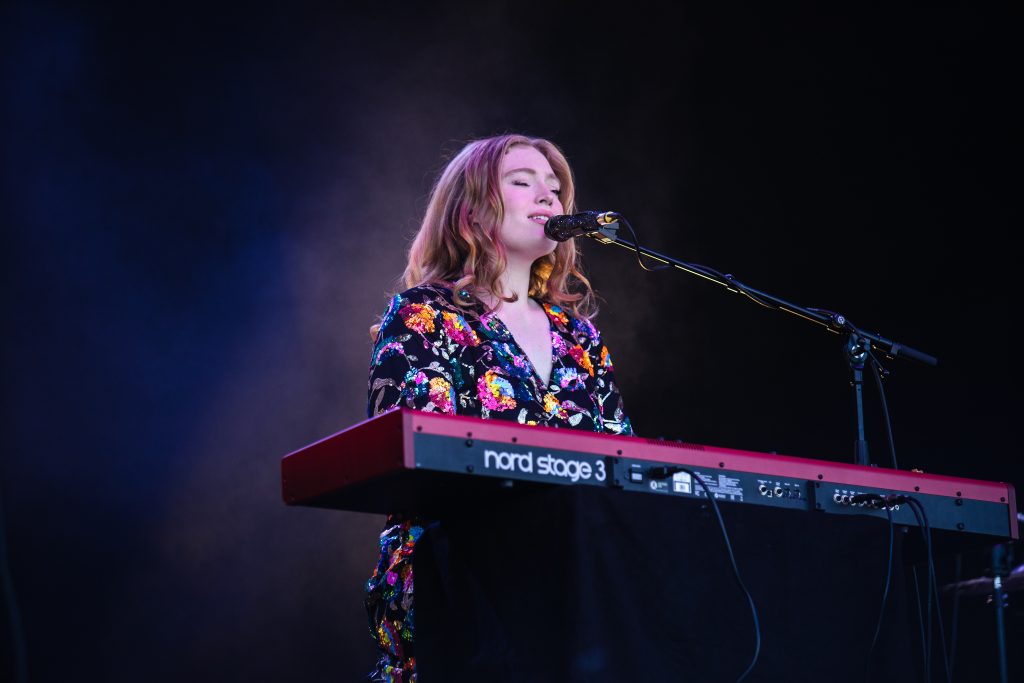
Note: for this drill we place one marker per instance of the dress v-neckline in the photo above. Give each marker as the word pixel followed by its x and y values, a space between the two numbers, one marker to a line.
pixel 541 385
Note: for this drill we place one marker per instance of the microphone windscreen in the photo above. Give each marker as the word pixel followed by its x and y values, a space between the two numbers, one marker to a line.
pixel 562 228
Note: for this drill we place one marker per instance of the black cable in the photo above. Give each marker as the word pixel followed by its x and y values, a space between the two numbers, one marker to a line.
pixel 935 589
pixel 958 574
pixel 920 623
pixel 735 571
pixel 885 594
pixel 879 373
pixel 933 585
pixel 636 247
pixel 928 588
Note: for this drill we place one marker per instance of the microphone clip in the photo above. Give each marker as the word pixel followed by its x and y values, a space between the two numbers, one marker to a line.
pixel 608 232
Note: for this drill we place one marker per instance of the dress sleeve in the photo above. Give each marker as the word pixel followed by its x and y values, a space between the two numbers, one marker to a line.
pixel 407 367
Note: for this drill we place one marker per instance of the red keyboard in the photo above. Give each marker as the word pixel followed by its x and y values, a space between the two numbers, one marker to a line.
pixel 412 461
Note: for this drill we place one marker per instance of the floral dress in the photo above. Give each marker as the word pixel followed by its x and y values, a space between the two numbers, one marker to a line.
pixel 435 356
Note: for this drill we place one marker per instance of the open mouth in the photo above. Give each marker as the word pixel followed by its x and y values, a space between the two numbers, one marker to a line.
pixel 540 218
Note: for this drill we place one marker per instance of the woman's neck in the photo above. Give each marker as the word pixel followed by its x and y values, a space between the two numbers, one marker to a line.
pixel 514 281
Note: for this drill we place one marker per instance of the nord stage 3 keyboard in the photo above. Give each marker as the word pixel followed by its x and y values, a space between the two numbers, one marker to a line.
pixel 411 461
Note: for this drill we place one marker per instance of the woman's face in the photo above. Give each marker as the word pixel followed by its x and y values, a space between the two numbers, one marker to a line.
pixel 529 194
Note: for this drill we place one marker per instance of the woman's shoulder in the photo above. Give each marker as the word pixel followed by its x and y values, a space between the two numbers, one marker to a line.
pixel 426 293
pixel 422 303
pixel 432 295
pixel 430 310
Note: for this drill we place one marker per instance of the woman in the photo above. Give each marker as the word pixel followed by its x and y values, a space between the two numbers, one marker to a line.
pixel 496 324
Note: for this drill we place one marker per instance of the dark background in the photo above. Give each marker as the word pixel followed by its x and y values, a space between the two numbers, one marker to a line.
pixel 205 209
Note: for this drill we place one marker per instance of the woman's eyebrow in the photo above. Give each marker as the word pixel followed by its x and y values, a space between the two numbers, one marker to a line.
pixel 551 176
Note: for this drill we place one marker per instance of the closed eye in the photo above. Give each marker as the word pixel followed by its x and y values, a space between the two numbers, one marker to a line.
pixel 523 183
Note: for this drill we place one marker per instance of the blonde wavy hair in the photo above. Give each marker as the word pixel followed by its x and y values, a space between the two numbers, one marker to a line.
pixel 458 244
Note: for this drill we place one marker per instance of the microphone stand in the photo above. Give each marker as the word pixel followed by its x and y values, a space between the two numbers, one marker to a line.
pixel 1000 570
pixel 859 343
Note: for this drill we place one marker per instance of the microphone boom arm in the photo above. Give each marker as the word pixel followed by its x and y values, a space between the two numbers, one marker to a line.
pixel 833 322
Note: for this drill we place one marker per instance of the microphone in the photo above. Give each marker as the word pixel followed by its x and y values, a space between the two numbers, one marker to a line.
pixel 562 228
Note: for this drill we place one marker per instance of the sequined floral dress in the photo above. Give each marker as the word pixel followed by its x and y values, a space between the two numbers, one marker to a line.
pixel 433 355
